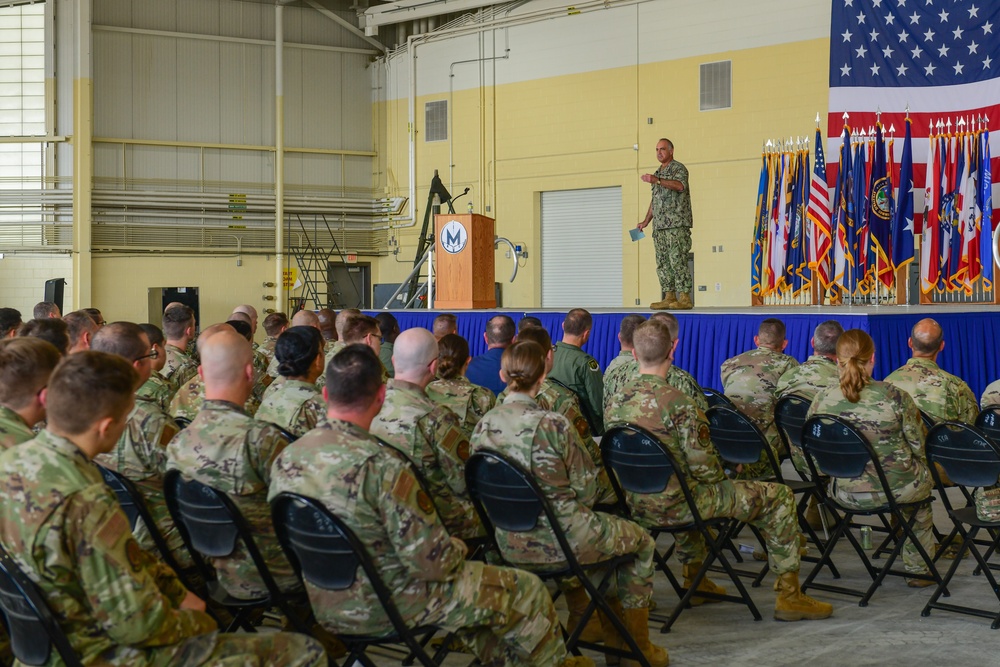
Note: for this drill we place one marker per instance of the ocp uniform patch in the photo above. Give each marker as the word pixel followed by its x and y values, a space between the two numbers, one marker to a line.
pixel 424 502
pixel 134 554
pixel 593 365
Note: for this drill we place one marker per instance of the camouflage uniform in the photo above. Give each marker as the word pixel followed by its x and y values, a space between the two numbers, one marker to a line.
pixel 233 453
pixel 273 387
pixel 504 614
pixel 542 443
pixel 13 430
pixel 622 370
pixel 626 372
pixel 431 436
pixel 141 456
pixel 115 602
pixel 749 379
pixel 684 382
pixel 261 380
pixel 806 380
pixel 469 401
pixel 650 402
pixel 187 402
pixel 267 347
pixel 179 367
pixel 331 348
pixel 581 373
pixel 672 220
pixel 158 389
pixel 890 421
pixel 940 394
pixel 296 407
pixel 385 356
pixel 991 395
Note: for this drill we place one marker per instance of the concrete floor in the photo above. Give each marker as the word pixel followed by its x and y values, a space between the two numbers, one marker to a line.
pixel 889 631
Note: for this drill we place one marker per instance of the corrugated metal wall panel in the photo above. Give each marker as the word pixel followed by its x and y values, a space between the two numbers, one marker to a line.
pixel 322 107
pixel 199 106
pixel 155 15
pixel 154 88
pixel 582 248
pixel 113 65
pixel 356 96
pixel 197 16
pixel 112 12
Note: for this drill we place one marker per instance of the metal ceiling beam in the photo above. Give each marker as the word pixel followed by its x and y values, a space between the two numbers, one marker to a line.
pixel 409 10
pixel 353 29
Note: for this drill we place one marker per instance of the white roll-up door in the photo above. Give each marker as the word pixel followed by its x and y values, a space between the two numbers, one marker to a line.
pixel 582 248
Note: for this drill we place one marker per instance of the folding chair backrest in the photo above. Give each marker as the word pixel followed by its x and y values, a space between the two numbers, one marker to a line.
pixel 929 422
pixel 837 449
pixel 637 460
pixel 503 491
pixel 33 630
pixel 115 482
pixel 316 542
pixel 715 398
pixel 182 422
pixel 968 456
pixel 289 436
pixel 203 513
pixel 989 422
pixel 790 414
pixel 736 438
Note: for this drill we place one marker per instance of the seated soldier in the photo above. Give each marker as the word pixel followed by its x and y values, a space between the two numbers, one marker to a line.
pixel 52 330
pixel 115 603
pixel 504 615
pixel 937 393
pixel 430 435
pixel 44 310
pixel 650 402
pixel 444 324
pixel 302 318
pixel 452 389
pixel 81 330
pixel 178 329
pixel 228 450
pixel 545 444
pixel 141 451
pixel 274 324
pixel 819 371
pixel 389 326
pixel 577 369
pixel 187 401
pixel 156 387
pixel 622 368
pixel 240 322
pixel 10 322
pixel 750 378
pixel 296 405
pixel 25 367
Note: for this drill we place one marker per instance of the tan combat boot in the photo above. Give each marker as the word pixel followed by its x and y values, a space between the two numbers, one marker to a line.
pixel 706 585
pixel 577 601
pixel 814 516
pixel 577 661
pixel 683 302
pixel 794 605
pixel 637 623
pixel 669 301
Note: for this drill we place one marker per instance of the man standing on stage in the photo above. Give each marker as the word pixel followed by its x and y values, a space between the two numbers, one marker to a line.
pixel 670 212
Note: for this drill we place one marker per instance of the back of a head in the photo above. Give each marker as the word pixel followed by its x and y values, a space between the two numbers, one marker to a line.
pixel 343 317
pixel 45 309
pixel 305 318
pixel 79 323
pixel 825 337
pixel 275 323
pixel 652 342
pixel 926 337
pixel 25 366
pixel 52 330
pixel 453 352
pixel 95 314
pixel 242 317
pixel 247 310
pixel 387 324
pixel 528 321
pixel 153 333
pixel 176 318
pixel 444 324
pixel 670 320
pixel 353 378
pixel 209 332
pixel 771 333
pixel 242 328
pixel 357 327
pixel 327 322
pixel 538 335
pixel 855 349
pixel 500 330
pixel 627 328
pixel 224 358
pixel 88 387
pixel 413 352
pixel 122 338
pixel 10 320
pixel 297 349
pixel 578 322
pixel 523 363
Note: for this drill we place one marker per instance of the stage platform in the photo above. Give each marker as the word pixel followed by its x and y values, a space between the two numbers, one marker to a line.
pixel 709 336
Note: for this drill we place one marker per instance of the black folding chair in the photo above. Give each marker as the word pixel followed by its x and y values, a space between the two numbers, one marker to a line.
pixel 584 407
pixel 182 422
pixel 972 460
pixel 833 447
pixel 508 498
pixel 211 526
pixel 289 436
pixel 134 505
pixel 33 629
pixel 739 441
pixel 640 464
pixel 326 553
pixel 715 398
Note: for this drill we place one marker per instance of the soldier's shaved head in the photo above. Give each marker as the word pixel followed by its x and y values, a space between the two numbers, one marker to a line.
pixel 224 358
pixel 771 334
pixel 415 350
pixel 653 343
pixel 444 324
pixel 305 318
pixel 342 319
pixel 926 338
pixel 241 317
pixel 212 331
pixel 249 311
pixel 825 338
pixel 327 323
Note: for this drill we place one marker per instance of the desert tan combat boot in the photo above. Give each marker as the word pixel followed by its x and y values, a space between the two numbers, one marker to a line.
pixel 637 624
pixel 577 661
pixel 706 585
pixel 683 302
pixel 669 301
pixel 794 605
pixel 577 601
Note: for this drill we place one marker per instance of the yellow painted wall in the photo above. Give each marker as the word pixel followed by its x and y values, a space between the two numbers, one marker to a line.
pixel 514 141
pixel 22 281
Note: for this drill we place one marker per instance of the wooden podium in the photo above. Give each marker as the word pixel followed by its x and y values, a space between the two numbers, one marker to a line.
pixel 463 262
